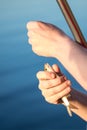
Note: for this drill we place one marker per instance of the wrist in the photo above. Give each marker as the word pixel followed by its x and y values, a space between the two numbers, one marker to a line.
pixel 63 49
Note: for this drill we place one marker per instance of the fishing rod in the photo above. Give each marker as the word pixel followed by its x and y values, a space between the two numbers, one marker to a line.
pixel 78 36
pixel 73 25
pixel 76 31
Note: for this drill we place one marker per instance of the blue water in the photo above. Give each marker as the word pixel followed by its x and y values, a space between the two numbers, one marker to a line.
pixel 22 106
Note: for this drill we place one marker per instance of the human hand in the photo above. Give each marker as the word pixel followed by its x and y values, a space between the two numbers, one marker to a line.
pixel 45 38
pixel 53 88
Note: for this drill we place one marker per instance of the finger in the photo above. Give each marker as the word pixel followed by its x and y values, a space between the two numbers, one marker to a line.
pixel 47 84
pixel 34 33
pixel 57 89
pixel 44 75
pixel 55 98
pixel 58 71
pixel 30 33
pixel 34 24
pixel 56 68
pixel 33 41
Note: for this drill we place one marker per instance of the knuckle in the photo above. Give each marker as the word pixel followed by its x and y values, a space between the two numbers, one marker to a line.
pixel 36 51
pixel 37 23
pixel 38 75
pixel 30 33
pixel 30 24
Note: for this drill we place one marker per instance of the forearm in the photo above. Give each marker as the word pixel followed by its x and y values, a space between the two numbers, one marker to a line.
pixel 48 40
pixel 79 101
pixel 73 57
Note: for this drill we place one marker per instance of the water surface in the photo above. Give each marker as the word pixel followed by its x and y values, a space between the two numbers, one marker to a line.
pixel 22 106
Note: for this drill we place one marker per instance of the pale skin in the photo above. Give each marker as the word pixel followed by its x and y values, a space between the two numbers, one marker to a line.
pixel 53 89
pixel 49 41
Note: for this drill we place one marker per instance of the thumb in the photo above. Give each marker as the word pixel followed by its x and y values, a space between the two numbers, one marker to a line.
pixel 58 71
pixel 56 68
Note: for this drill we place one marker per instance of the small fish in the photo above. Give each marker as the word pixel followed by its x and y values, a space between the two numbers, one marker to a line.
pixel 48 68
